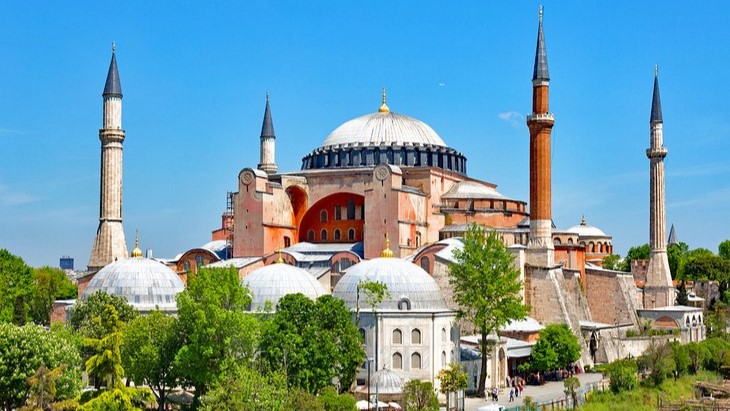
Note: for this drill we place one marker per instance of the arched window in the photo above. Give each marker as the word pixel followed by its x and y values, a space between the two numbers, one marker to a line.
pixel 570 241
pixel 415 361
pixel 310 236
pixel 362 335
pixel 350 209
pixel 443 357
pixel 199 260
pixel 426 264
pixel 416 336
pixel 591 247
pixel 337 234
pixel 338 212
pixel 404 304
pixel 397 361
pixel 397 336
pixel 556 241
pixel 186 266
pixel 418 240
pixel 351 234
pixel 323 216
pixel 287 241
pixel 323 235
pixel 444 336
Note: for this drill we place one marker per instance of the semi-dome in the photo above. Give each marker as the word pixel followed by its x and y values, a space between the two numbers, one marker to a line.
pixel 472 190
pixel 144 282
pixel 272 282
pixel 383 128
pixel 586 230
pixel 384 137
pixel 409 286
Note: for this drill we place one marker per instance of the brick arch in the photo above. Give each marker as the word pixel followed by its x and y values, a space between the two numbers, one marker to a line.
pixel 665 322
pixel 311 219
pixel 298 198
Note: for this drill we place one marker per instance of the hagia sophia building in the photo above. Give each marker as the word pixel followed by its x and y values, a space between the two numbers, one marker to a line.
pixel 385 198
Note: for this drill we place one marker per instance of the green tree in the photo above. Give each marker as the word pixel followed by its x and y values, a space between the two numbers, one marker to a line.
pixel 312 342
pixel 453 380
pixel 716 353
pixel 635 253
pixel 49 284
pixel 657 362
pixel 723 250
pixel 696 354
pixel 677 257
pixel 303 400
pixel 246 389
pixel 682 296
pixel 42 386
pixel 486 287
pixel 622 374
pixel 543 357
pixel 332 401
pixel 373 292
pixel 23 351
pixel 148 353
pixel 119 399
pixel 16 288
pixel 215 326
pixel 570 388
pixel 680 355
pixel 613 262
pixel 562 341
pixel 86 316
pixel 420 396
pixel 106 364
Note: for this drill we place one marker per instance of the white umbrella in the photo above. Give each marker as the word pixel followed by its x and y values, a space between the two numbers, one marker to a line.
pixel 395 406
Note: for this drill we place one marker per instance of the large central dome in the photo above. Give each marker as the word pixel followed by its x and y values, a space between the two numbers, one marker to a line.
pixel 383 129
pixel 384 138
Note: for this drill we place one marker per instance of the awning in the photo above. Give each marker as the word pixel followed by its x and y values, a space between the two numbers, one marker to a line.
pixel 519 352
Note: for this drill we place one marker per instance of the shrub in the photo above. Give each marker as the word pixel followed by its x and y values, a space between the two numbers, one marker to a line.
pixel 623 375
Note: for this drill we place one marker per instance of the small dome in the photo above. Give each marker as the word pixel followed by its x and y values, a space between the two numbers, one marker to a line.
pixel 408 284
pixel 586 230
pixel 387 382
pixel 145 283
pixel 383 128
pixel 473 190
pixel 274 281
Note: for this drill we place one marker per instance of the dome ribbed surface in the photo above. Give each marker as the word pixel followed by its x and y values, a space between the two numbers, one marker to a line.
pixel 403 279
pixel 387 382
pixel 272 282
pixel 383 129
pixel 145 283
pixel 587 230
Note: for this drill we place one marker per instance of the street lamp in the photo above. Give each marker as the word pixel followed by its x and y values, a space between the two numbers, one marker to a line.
pixel 369 360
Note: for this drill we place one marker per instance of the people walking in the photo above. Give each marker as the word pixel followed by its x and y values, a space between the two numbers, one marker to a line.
pixel 511 394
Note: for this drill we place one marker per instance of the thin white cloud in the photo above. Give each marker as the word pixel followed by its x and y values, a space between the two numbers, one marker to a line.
pixel 10 132
pixel 515 118
pixel 442 84
pixel 10 198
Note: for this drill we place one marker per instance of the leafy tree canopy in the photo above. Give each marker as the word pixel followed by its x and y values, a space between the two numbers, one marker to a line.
pixel 559 340
pixel 636 253
pixel 148 353
pixel 86 316
pixel 16 288
pixel 312 342
pixel 215 326
pixel 49 284
pixel 613 262
pixel 486 287
pixel 106 363
pixel 419 396
pixel 724 249
pixel 332 401
pixel 23 351
pixel 246 389
pixel 623 375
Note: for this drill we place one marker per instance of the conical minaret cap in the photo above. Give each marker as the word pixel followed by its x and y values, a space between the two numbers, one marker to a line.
pixel 541 67
pixel 267 129
pixel 113 88
pixel 656 102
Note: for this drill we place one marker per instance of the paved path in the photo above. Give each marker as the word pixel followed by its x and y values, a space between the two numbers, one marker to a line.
pixel 544 393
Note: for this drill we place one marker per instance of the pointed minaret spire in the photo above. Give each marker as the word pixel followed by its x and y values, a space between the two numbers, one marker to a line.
pixel 268 163
pixel 656 103
pixel 113 88
pixel 541 67
pixel 672 236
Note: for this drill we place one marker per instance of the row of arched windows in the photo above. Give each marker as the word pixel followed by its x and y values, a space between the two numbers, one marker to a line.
pixel 398 336
pixel 337 235
pixel 398 361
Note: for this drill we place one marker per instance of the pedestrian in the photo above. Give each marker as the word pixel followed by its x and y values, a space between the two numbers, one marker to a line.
pixel 496 394
pixel 511 394
pixel 520 388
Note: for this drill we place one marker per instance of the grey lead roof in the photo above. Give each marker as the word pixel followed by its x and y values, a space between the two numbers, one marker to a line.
pixel 672 236
pixel 656 103
pixel 541 67
pixel 267 129
pixel 113 88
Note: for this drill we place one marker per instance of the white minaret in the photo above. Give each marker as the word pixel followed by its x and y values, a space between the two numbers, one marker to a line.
pixel 268 140
pixel 658 291
pixel 110 244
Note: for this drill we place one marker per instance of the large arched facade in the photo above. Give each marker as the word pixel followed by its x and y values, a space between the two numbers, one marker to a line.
pixel 337 218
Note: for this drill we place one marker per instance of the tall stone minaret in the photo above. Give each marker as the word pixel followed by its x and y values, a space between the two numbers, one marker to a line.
pixel 658 291
pixel 540 250
pixel 268 142
pixel 110 244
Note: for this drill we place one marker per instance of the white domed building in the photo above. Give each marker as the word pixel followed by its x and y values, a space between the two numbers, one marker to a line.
pixel 145 283
pixel 270 283
pixel 411 332
pixel 598 244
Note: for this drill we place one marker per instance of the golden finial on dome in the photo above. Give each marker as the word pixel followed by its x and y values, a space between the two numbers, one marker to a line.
pixel 384 107
pixel 583 220
pixel 136 253
pixel 280 260
pixel 387 253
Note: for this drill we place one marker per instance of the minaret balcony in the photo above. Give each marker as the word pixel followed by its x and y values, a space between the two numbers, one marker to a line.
pixel 657 152
pixel 541 117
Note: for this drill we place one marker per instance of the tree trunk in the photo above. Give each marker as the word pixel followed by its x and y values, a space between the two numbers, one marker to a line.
pixel 161 400
pixel 483 373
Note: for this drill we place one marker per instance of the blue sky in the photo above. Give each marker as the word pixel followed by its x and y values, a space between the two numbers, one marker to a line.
pixel 194 76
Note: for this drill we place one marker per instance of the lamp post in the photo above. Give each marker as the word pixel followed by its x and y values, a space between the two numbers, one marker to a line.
pixel 369 361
